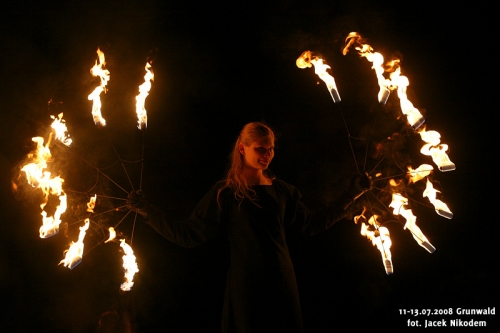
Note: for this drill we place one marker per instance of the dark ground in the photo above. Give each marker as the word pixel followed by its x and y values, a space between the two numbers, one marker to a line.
pixel 218 66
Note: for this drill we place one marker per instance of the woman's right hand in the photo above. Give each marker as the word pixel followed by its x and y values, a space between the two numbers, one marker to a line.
pixel 137 202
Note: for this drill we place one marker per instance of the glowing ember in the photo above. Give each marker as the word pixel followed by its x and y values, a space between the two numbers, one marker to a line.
pixel 91 204
pixel 441 208
pixel 112 234
pixel 436 150
pixel 307 60
pixel 380 238
pixel 414 117
pixel 398 203
pixel 130 266
pixel 75 252
pixel 103 74
pixel 141 98
pixel 419 173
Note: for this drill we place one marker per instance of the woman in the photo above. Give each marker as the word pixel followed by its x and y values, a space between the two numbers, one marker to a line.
pixel 254 209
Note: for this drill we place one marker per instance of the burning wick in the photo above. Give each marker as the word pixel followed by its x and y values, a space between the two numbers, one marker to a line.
pixel 375 58
pixel 415 118
pixel 307 60
pixel 436 150
pixel 98 70
pixel 441 208
pixel 398 203
pixel 130 266
pixel 379 236
pixel 141 98
pixel 75 252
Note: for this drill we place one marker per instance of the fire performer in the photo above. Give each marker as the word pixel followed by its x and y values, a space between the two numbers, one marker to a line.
pixel 254 208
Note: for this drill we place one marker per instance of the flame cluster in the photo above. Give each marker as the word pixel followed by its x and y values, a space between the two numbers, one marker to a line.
pixel 38 175
pixel 400 83
pixel 98 70
pixel 395 80
pixel 389 77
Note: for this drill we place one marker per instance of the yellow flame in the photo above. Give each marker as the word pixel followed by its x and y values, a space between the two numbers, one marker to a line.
pixel 141 98
pixel 307 60
pixel 75 252
pixel 441 208
pixel 129 265
pixel 103 74
pixel 398 203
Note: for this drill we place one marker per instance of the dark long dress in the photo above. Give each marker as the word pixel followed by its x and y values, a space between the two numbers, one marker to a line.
pixel 261 290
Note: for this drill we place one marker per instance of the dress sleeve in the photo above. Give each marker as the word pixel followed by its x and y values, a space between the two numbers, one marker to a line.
pixel 311 222
pixel 203 224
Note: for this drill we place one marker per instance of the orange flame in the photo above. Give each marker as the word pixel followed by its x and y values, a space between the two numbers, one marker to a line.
pixel 441 208
pixel 103 74
pixel 75 252
pixel 141 98
pixel 307 60
pixel 130 266
pixel 398 203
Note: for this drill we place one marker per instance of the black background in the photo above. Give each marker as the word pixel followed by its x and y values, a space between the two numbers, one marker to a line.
pixel 218 66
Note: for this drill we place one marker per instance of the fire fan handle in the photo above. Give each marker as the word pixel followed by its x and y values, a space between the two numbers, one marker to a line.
pixel 359 185
pixel 137 202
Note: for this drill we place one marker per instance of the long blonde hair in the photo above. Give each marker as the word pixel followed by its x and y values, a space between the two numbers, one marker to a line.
pixel 234 180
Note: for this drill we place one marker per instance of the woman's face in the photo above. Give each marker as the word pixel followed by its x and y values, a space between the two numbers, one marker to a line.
pixel 259 154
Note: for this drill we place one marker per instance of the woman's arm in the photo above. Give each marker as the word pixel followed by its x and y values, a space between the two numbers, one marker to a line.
pixel 312 222
pixel 203 224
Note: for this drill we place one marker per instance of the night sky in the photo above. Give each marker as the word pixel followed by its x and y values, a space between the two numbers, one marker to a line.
pixel 218 66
